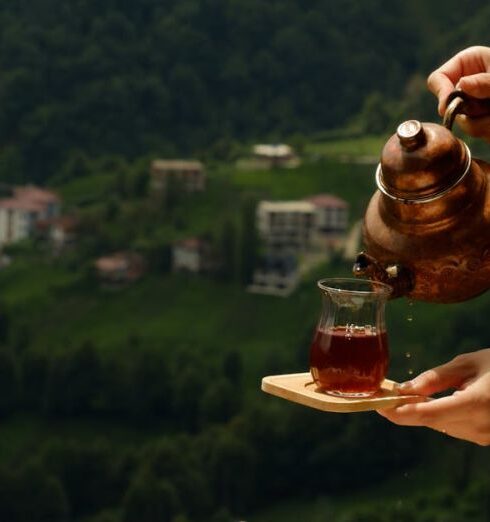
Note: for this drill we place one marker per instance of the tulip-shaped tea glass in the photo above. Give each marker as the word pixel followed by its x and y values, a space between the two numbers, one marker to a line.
pixel 349 352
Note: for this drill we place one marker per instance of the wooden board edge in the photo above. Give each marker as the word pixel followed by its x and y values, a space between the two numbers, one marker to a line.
pixel 272 388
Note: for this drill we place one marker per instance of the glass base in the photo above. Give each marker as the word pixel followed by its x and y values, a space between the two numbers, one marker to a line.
pixel 349 395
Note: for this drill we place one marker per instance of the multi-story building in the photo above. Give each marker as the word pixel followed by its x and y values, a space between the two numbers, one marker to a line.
pixel 286 226
pixel 312 228
pixel 297 226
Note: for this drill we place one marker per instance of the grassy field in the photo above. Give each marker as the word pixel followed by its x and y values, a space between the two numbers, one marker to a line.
pixel 165 312
pixel 352 182
pixel 365 146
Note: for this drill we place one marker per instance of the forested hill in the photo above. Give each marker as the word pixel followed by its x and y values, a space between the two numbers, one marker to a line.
pixel 175 76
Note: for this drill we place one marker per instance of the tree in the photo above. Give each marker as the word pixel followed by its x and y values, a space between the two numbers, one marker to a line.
pixel 9 382
pixel 220 401
pixel 177 460
pixel 375 116
pixel 4 324
pixel 233 367
pixel 89 474
pixel 76 166
pixel 140 184
pixel 35 369
pixel 188 391
pixel 151 385
pixel 227 252
pixel 32 494
pixel 149 499
pixel 249 242
pixel 73 382
pixel 232 466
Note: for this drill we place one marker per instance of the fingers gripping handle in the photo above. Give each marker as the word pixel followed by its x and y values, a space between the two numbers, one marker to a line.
pixel 458 102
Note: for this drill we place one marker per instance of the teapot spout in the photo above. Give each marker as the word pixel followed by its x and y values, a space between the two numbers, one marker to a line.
pixel 400 278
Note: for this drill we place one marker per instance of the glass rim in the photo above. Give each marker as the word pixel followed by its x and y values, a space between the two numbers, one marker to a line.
pixel 377 288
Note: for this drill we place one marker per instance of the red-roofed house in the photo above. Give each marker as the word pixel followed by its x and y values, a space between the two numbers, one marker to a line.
pixel 120 267
pixel 332 213
pixel 20 213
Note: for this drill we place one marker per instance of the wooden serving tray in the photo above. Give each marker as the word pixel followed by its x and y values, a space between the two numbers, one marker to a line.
pixel 300 388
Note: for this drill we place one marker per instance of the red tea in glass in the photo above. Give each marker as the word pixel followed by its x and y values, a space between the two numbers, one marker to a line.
pixel 349 352
pixel 351 362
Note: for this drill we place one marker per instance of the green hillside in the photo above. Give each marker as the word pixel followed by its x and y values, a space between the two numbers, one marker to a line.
pixel 176 354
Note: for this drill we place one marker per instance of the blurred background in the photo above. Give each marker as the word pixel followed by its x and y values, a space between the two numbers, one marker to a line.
pixel 175 176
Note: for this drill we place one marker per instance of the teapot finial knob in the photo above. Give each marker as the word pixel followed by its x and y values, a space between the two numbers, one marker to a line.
pixel 411 134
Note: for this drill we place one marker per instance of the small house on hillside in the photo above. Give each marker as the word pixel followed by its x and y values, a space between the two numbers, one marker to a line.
pixel 332 213
pixel 23 210
pixel 190 173
pixel 269 155
pixel 120 268
pixel 276 155
pixel 331 220
pixel 192 255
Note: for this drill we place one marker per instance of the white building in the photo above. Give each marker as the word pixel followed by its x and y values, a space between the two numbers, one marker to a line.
pixel 276 154
pixel 286 226
pixel 20 213
pixel 297 226
pixel 269 155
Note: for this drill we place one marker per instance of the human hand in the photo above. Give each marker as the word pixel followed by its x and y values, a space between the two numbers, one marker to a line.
pixel 465 414
pixel 468 70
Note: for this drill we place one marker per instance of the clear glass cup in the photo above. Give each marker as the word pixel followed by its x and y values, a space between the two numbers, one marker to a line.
pixel 349 352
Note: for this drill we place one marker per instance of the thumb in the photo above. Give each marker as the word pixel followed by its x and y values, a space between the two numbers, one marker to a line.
pixel 450 375
pixel 476 127
pixel 477 85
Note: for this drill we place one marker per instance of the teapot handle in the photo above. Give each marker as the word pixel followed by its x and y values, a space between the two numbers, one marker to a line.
pixel 458 102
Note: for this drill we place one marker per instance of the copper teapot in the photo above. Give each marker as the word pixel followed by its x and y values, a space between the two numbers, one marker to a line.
pixel 427 228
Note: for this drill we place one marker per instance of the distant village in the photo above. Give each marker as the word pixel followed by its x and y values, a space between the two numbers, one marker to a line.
pixel 295 235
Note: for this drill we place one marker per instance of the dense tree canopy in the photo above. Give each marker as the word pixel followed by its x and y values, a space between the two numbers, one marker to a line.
pixel 136 77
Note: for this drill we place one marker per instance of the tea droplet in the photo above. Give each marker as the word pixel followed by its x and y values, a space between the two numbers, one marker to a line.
pixel 409 316
pixel 408 355
pixel 410 372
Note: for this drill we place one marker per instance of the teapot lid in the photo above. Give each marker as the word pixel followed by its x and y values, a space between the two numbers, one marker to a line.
pixel 421 162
